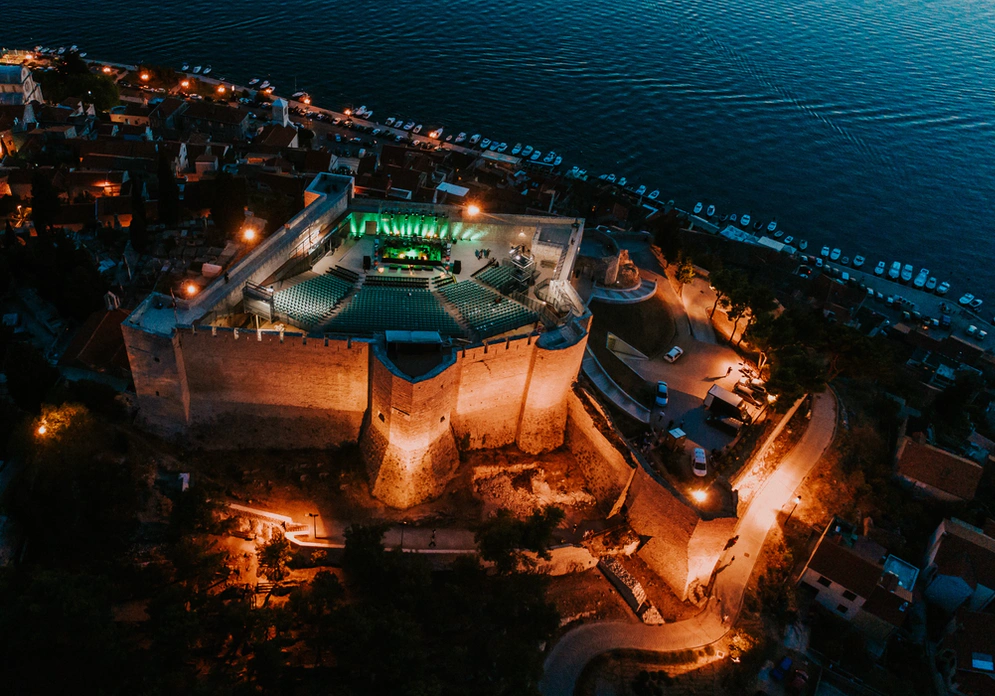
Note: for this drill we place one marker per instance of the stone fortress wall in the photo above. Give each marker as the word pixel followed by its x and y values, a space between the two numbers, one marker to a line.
pixel 221 388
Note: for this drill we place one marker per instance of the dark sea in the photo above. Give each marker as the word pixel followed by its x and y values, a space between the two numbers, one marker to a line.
pixel 868 125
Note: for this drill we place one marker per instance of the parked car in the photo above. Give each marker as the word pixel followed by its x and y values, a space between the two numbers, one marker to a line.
pixel 699 462
pixel 747 393
pixel 662 394
pixel 799 681
pixel 673 354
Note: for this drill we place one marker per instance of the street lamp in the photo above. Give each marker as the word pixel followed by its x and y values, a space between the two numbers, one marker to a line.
pixel 191 289
pixel 249 234
pixel 314 523
pixel 699 495
pixel 798 499
pixel 42 429
pixel 473 210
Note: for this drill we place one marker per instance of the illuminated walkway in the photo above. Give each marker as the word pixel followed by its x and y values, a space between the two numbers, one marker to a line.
pixel 578 647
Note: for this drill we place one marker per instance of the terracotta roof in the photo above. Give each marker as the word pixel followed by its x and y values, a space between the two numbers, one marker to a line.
pixel 215 113
pixel 277 136
pixel 966 554
pixel 887 606
pixel 973 636
pixel 845 566
pixel 99 343
pixel 938 468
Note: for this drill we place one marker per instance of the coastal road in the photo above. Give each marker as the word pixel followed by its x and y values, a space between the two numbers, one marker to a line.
pixel 568 657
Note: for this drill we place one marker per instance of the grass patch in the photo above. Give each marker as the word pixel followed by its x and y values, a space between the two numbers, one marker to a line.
pixel 647 326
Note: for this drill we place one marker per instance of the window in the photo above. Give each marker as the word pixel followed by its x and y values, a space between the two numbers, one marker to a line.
pixel 849 596
pixel 824 581
pixel 382 419
pixel 842 608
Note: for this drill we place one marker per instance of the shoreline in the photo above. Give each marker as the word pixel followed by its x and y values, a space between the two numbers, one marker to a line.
pixel 724 227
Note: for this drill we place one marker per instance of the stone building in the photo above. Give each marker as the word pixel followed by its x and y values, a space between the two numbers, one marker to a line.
pixel 369 330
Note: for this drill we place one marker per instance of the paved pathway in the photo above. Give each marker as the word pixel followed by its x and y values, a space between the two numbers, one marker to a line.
pixel 569 656
pixel 645 291
pixel 610 389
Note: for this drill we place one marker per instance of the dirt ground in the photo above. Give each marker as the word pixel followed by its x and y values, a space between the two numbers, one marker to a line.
pixel 669 605
pixel 587 596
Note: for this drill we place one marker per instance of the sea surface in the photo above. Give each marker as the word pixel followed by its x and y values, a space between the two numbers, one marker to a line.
pixel 864 125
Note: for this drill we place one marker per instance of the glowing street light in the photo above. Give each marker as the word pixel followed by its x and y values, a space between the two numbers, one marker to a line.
pixel 145 77
pixel 249 234
pixel 185 84
pixel 191 289
pixel 797 500
pixel 42 429
pixel 348 112
pixel 473 210
pixel 221 89
pixel 107 70
pixel 699 495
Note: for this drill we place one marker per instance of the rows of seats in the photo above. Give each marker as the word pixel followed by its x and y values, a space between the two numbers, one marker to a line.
pixel 395 281
pixel 486 311
pixel 344 273
pixel 501 278
pixel 310 302
pixel 376 308
pixel 444 281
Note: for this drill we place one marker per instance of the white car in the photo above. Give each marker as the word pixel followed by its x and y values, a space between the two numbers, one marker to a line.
pixel 674 354
pixel 699 462
pixel 662 394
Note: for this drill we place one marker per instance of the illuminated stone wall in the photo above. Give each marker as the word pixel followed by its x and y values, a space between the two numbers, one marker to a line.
pixel 544 413
pixel 491 392
pixel 408 446
pixel 604 463
pixel 243 389
pixel 160 380
pixel 224 388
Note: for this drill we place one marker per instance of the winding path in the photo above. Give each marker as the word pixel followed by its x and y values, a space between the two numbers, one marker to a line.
pixel 578 647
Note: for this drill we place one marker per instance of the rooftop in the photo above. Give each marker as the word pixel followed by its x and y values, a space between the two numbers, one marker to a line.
pixel 945 471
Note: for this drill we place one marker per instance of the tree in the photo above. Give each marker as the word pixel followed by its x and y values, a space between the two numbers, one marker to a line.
pixel 274 555
pixel 725 281
pixel 504 537
pixel 762 303
pixel 684 273
pixel 44 202
pixel 228 208
pixel 738 303
pixel 29 376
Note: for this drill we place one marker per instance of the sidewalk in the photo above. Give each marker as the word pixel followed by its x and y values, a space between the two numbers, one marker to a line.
pixel 415 539
pixel 610 390
pixel 568 657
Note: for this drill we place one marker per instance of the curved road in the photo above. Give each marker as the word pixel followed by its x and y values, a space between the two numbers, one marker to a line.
pixel 578 647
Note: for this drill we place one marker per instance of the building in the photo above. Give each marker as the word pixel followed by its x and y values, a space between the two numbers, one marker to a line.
pixel 959 569
pixel 858 580
pixel 935 472
pixel 410 330
pixel 218 121
pixel 131 114
pixel 17 86
pixel 965 656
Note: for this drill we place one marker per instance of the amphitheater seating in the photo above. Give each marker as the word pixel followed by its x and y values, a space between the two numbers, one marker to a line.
pixel 391 281
pixel 345 274
pixel 443 282
pixel 501 278
pixel 309 303
pixel 375 308
pixel 486 311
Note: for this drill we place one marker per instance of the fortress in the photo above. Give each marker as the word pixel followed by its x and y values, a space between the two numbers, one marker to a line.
pixel 416 332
